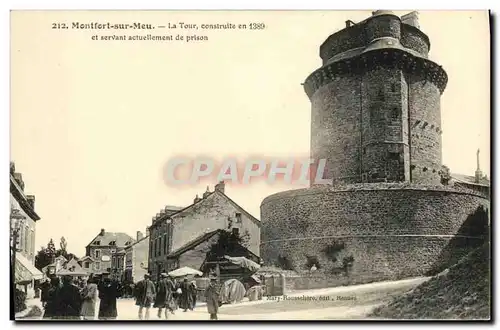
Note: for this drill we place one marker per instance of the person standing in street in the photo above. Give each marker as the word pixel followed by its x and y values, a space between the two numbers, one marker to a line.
pixel 164 294
pixel 212 298
pixel 44 292
pixel 186 298
pixel 89 295
pixel 108 293
pixel 70 300
pixel 145 295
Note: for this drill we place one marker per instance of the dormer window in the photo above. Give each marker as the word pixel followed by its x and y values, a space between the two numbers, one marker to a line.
pixel 97 243
pixel 112 243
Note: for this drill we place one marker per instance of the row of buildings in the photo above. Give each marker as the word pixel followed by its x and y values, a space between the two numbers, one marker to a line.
pixel 177 237
pixel 23 219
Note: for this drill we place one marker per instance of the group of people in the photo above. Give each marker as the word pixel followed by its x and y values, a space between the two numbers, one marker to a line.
pixel 67 298
pixel 167 295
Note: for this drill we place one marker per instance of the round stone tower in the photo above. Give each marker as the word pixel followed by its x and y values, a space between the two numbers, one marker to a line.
pixel 376 104
pixel 376 120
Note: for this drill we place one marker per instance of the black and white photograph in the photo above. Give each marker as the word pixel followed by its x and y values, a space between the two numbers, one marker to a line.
pixel 250 165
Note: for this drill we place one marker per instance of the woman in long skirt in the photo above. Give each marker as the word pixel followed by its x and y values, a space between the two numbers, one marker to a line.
pixel 90 296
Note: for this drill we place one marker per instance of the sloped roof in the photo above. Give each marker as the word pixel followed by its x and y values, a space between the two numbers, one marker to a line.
pixel 21 198
pixel 135 243
pixel 193 243
pixel 469 179
pixel 251 217
pixel 119 238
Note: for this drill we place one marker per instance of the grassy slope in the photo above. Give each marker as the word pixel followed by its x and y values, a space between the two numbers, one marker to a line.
pixel 462 292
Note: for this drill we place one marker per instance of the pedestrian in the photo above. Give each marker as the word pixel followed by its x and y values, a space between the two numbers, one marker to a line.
pixel 52 304
pixel 194 294
pixel 212 298
pixel 44 288
pixel 144 295
pixel 164 296
pixel 186 298
pixel 70 301
pixel 108 293
pixel 89 295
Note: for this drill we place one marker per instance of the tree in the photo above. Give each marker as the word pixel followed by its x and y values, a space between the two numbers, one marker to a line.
pixel 46 255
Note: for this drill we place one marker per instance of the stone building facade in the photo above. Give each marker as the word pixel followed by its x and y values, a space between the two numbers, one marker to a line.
pixel 136 258
pixel 376 120
pixel 23 213
pixel 171 229
pixel 102 248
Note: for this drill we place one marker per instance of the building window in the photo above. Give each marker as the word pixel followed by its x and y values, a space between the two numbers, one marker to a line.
pixel 97 243
pixel 86 264
pixel 112 243
pixel 108 270
pixel 165 244
pixel 97 266
pixel 393 87
pixel 236 231
pixel 97 254
pixel 238 217
pixel 27 240
pixel 159 246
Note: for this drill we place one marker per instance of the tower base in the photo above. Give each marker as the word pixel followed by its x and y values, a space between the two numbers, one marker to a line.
pixel 371 232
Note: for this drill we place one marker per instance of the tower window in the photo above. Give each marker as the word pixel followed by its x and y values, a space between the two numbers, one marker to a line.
pixel 393 156
pixel 381 96
pixel 395 114
pixel 393 87
pixel 373 111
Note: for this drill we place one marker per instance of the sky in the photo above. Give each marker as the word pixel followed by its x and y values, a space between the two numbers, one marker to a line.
pixel 93 123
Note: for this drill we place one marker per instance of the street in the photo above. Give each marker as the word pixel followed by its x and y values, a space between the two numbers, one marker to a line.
pixel 353 302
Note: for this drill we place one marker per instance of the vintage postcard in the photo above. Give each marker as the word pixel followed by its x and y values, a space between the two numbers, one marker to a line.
pixel 250 165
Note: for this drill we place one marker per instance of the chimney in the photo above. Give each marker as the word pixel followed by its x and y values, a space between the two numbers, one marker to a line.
pixel 31 201
pixel 196 199
pixel 206 193
pixel 220 187
pixel 153 220
pixel 147 231
pixel 102 232
pixel 139 236
pixel 411 19
pixel 12 168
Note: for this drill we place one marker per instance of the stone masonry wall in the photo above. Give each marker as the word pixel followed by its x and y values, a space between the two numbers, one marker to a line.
pixel 336 128
pixel 392 231
pixel 211 214
pixel 425 130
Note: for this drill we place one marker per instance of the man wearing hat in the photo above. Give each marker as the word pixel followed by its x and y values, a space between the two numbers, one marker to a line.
pixel 164 295
pixel 145 295
pixel 212 298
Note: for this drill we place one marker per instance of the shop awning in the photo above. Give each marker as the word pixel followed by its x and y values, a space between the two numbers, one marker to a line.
pixel 25 270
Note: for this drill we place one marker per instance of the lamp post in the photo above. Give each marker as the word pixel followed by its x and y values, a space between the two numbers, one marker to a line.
pixel 16 217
